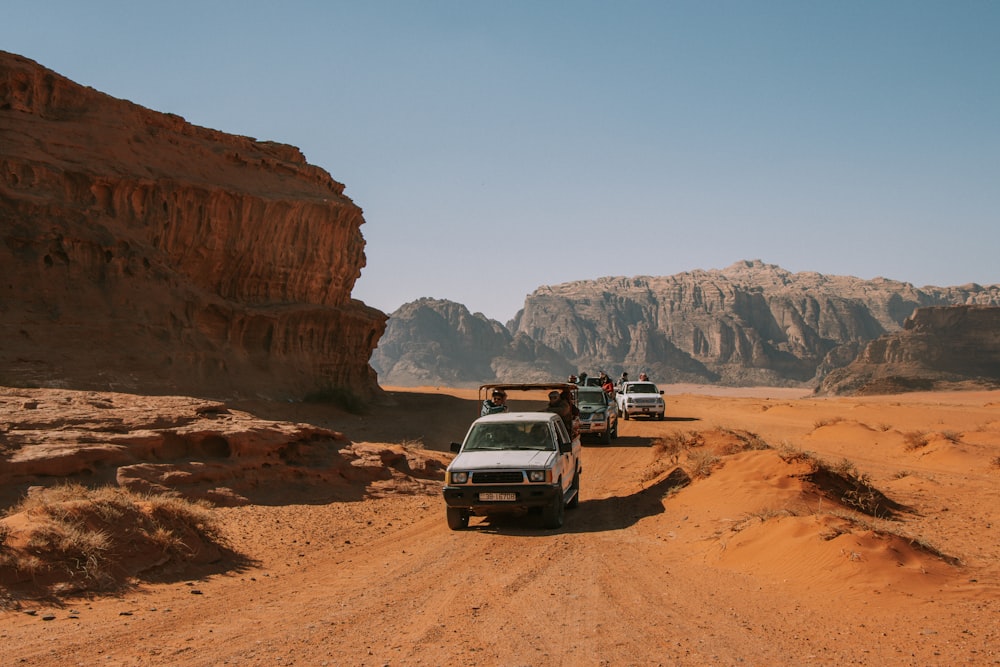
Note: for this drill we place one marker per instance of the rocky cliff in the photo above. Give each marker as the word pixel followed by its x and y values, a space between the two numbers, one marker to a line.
pixel 751 323
pixel 438 342
pixel 941 347
pixel 142 253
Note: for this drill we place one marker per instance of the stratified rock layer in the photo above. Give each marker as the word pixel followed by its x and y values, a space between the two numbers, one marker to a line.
pixel 143 253
pixel 194 447
pixel 938 348
pixel 751 323
pixel 439 342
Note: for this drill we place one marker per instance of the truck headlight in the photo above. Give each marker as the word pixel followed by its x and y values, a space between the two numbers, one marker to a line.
pixel 459 477
pixel 536 475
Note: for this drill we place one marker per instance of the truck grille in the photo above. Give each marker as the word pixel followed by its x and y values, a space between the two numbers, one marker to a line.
pixel 498 477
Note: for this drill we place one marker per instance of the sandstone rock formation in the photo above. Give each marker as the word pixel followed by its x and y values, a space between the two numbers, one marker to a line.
pixel 938 348
pixel 196 448
pixel 749 324
pixel 438 342
pixel 143 253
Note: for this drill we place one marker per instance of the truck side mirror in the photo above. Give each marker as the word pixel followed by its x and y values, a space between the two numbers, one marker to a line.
pixel 565 447
pixel 456 446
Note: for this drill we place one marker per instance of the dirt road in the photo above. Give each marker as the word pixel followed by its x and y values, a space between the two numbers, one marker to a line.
pixel 632 578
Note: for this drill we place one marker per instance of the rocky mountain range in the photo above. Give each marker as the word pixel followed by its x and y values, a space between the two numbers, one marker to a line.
pixel 938 347
pixel 143 253
pixel 748 324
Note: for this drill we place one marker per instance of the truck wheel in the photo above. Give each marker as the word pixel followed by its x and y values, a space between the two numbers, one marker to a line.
pixel 615 433
pixel 625 414
pixel 606 436
pixel 553 515
pixel 458 518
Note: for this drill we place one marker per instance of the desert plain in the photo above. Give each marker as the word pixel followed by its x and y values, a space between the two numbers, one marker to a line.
pixel 750 527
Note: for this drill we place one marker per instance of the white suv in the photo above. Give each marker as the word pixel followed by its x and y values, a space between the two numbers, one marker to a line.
pixel 639 398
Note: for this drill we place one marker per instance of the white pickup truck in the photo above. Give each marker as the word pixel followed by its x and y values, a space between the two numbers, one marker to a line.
pixel 515 462
pixel 639 398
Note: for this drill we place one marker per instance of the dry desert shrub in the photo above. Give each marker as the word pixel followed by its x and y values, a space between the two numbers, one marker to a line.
pixel 790 454
pixel 761 516
pixel 674 444
pixel 745 440
pixel 954 437
pixel 843 482
pixel 915 440
pixel 415 443
pixel 86 537
pixel 701 463
pixel 830 421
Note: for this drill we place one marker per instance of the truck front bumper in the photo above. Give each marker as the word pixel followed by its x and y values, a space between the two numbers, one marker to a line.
pixel 500 497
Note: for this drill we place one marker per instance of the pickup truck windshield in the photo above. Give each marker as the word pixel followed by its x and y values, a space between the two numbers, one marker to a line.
pixel 641 389
pixel 526 435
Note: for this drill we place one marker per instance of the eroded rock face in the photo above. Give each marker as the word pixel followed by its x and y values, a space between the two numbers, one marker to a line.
pixel 938 348
pixel 143 253
pixel 197 448
pixel 439 342
pixel 751 323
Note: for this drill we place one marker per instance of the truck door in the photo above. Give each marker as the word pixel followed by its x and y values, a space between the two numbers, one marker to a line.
pixel 565 467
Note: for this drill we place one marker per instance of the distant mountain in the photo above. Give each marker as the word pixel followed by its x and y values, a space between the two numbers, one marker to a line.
pixel 438 342
pixel 749 324
pixel 938 347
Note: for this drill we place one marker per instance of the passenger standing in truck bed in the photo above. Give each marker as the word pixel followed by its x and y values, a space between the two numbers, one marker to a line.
pixel 496 403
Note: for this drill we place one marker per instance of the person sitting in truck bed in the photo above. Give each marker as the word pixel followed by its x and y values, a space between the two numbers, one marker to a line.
pixel 496 403
pixel 561 407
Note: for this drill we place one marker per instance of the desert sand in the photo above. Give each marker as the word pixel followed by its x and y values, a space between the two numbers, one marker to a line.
pixel 749 563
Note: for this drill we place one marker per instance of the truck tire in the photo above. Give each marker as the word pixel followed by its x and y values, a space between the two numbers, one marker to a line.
pixel 625 414
pixel 458 518
pixel 606 437
pixel 552 516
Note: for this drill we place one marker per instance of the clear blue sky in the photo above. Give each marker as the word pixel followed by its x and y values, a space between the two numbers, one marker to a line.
pixel 499 146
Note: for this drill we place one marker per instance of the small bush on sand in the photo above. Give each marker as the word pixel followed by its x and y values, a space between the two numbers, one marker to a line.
pixel 80 538
pixel 954 437
pixel 915 440
pixel 820 423
pixel 674 444
pixel 701 463
pixel 745 440
pixel 790 454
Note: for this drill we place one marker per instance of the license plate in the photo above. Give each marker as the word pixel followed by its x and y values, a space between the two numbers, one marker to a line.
pixel 497 497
